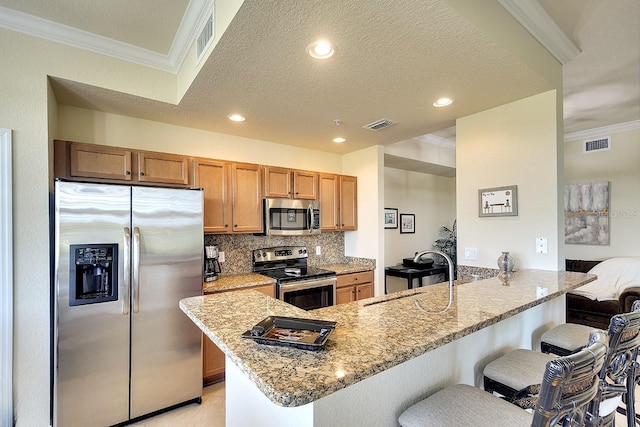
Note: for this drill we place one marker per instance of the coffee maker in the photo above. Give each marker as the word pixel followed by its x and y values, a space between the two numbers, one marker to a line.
pixel 211 264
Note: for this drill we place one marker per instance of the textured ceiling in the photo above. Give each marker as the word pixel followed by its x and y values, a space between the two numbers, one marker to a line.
pixel 393 60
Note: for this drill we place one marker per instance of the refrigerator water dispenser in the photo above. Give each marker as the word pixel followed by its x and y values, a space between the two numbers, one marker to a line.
pixel 93 273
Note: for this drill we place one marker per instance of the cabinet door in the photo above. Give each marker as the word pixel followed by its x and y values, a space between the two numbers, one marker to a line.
pixel 163 168
pixel 345 295
pixel 305 185
pixel 277 182
pixel 212 362
pixel 328 192
pixel 247 198
pixel 364 291
pixel 99 161
pixel 348 203
pixel 213 177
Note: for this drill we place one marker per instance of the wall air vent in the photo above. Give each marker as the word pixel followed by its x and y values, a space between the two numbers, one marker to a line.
pixel 599 144
pixel 205 38
pixel 379 124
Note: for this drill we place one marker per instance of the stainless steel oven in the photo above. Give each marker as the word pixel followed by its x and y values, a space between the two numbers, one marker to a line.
pixel 296 283
pixel 309 294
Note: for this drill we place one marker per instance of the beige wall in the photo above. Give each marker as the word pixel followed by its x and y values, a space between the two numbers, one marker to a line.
pixel 431 198
pixel 514 144
pixel 621 167
pixel 77 124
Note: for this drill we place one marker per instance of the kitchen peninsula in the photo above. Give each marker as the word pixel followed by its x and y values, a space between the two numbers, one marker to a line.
pixel 386 353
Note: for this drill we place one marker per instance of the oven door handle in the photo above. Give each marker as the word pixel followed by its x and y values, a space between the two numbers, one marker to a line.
pixel 307 284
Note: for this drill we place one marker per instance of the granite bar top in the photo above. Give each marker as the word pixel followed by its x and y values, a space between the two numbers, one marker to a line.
pixel 372 335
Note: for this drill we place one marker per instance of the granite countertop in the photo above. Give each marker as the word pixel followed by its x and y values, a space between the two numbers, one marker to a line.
pixel 372 335
pixel 347 268
pixel 229 282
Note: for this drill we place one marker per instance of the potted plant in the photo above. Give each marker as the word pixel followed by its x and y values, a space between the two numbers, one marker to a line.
pixel 447 243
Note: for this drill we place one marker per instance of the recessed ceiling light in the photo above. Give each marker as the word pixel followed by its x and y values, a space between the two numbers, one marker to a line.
pixel 236 118
pixel 321 49
pixel 339 140
pixel 443 102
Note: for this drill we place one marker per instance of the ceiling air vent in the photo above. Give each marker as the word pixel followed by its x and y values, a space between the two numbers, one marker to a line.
pixel 599 144
pixel 379 124
pixel 205 38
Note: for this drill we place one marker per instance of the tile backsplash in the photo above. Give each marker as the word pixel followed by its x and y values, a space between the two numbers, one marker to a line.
pixel 237 248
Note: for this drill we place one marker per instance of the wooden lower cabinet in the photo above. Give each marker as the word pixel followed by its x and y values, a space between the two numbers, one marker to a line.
pixel 354 287
pixel 213 357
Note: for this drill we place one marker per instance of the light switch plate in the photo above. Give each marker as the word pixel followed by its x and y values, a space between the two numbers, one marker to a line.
pixel 220 256
pixel 471 253
pixel 318 250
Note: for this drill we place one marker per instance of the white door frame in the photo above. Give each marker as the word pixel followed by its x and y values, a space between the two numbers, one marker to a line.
pixel 6 280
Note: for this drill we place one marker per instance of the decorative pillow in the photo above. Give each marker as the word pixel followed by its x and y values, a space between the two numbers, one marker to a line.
pixel 614 276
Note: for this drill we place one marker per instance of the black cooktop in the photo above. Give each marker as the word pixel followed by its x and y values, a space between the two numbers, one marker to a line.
pixel 290 274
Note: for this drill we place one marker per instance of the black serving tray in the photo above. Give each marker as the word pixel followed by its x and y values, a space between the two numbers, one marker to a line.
pixel 306 334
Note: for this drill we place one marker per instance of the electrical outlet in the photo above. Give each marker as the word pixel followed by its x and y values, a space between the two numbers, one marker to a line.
pixel 220 256
pixel 318 250
pixel 471 253
pixel 541 245
pixel 541 291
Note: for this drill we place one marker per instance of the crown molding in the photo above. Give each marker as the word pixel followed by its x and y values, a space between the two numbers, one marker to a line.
pixel 196 13
pixel 601 131
pixel 532 16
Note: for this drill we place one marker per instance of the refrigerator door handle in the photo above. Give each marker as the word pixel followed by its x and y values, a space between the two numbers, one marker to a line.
pixel 126 300
pixel 136 270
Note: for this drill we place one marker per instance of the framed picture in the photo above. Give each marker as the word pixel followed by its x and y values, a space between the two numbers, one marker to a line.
pixel 499 201
pixel 407 223
pixel 390 218
pixel 586 213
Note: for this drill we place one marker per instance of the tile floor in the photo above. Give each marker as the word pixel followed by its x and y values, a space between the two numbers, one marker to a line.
pixel 211 412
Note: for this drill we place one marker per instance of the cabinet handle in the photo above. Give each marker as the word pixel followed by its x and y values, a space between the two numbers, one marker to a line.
pixel 226 225
pixel 128 172
pixel 141 173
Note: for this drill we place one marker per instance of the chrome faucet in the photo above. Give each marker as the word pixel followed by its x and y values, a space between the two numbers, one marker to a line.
pixel 451 274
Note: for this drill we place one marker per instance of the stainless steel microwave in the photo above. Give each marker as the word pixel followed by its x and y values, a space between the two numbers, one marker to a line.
pixel 291 217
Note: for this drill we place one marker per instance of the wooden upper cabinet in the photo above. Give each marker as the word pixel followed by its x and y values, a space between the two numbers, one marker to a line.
pixel 98 161
pixel 163 168
pixel 290 183
pixel 277 182
pixel 213 177
pixel 305 185
pixel 348 202
pixel 246 185
pixel 328 194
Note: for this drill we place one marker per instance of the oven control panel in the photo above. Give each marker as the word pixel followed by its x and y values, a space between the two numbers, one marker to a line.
pixel 280 253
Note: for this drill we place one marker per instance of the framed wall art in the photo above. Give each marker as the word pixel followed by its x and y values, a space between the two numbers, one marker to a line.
pixel 499 201
pixel 390 218
pixel 586 213
pixel 407 223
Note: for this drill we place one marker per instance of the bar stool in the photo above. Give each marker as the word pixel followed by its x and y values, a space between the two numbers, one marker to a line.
pixel 569 337
pixel 513 372
pixel 568 385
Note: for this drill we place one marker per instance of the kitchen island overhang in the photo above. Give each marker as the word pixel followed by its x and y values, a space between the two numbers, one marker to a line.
pixel 380 333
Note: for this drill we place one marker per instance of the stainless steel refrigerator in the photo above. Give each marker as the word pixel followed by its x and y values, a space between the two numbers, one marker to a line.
pixel 124 257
